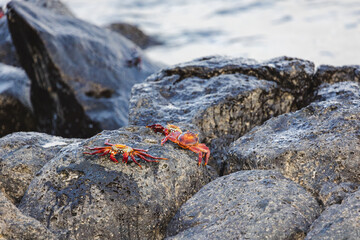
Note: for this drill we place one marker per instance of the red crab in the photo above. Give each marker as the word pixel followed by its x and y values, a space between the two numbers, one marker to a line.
pixel 187 140
pixel 126 151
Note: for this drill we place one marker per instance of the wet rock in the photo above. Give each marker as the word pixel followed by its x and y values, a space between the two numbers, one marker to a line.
pixel 90 197
pixel 15 225
pixel 79 70
pixel 7 50
pixel 331 74
pixel 55 6
pixel 246 205
pixel 16 112
pixel 22 155
pixel 340 221
pixel 222 97
pixel 134 34
pixel 316 145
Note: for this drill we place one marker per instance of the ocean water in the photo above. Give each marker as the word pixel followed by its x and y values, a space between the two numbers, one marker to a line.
pixel 323 31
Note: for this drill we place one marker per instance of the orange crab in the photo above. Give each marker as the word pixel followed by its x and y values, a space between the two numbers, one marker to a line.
pixel 126 151
pixel 187 140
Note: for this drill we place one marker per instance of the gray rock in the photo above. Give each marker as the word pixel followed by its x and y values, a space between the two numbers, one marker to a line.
pixel 246 205
pixel 134 34
pixel 339 221
pixel 90 197
pixel 7 50
pixel 332 193
pixel 55 6
pixel 79 70
pixel 16 225
pixel 339 90
pixel 16 112
pixel 221 97
pixel 316 145
pixel 22 155
pixel 331 74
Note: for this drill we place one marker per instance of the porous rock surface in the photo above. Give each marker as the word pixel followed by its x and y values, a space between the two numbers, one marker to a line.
pixel 339 221
pixel 22 155
pixel 222 97
pixel 16 225
pixel 16 112
pixel 315 146
pixel 81 196
pixel 331 74
pixel 79 70
pixel 257 204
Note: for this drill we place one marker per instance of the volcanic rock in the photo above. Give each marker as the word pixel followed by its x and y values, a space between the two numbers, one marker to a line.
pixel 221 97
pixel 80 75
pixel 246 205
pixel 22 155
pixel 317 145
pixel 16 112
pixel 80 196
pixel 16 225
pixel 339 221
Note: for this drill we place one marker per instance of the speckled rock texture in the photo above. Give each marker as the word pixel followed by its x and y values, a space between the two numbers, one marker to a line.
pixel 317 145
pixel 80 70
pixel 332 74
pixel 16 112
pixel 257 204
pixel 80 196
pixel 222 97
pixel 340 90
pixel 16 225
pixel 22 155
pixel 340 221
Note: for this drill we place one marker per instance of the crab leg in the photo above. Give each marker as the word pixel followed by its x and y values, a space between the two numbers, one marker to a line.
pixel 93 153
pixel 133 158
pixel 144 158
pixel 112 157
pixel 148 155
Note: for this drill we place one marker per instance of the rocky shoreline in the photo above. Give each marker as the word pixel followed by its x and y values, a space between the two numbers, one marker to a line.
pixel 284 139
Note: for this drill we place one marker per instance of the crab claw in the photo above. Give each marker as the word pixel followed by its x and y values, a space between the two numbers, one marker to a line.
pixel 158 128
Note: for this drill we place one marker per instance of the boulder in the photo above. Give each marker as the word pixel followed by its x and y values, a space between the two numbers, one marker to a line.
pixel 16 225
pixel 79 70
pixel 257 204
pixel 332 74
pixel 339 221
pixel 81 196
pixel 16 112
pixel 7 50
pixel 339 90
pixel 134 34
pixel 314 146
pixel 22 155
pixel 223 98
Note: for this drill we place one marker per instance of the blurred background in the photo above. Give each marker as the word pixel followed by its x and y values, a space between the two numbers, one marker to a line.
pixel 323 31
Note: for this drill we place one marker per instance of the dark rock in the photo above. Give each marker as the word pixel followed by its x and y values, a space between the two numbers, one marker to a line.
pixel 332 193
pixel 22 155
pixel 339 221
pixel 7 50
pixel 316 145
pixel 15 225
pixel 134 34
pixel 90 197
pixel 246 205
pixel 55 6
pixel 331 74
pixel 15 107
pixel 79 70
pixel 222 97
